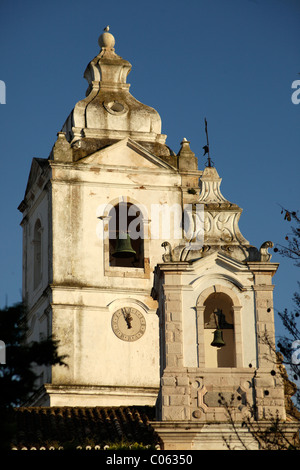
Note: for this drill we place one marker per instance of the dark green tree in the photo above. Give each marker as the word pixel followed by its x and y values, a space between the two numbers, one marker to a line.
pixel 19 357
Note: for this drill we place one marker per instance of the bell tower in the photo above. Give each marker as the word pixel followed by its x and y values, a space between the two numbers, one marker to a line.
pixel 92 233
pixel 215 309
pixel 153 293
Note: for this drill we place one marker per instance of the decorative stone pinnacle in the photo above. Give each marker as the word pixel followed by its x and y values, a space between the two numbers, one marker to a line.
pixel 185 148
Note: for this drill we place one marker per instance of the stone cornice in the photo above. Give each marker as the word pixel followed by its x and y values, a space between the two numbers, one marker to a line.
pixel 259 267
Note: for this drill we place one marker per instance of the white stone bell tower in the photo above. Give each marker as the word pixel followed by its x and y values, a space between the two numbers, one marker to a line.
pixel 110 158
pixel 216 311
pixel 147 283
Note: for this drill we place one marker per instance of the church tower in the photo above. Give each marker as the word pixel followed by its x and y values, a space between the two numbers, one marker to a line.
pixel 95 214
pixel 217 338
pixel 133 260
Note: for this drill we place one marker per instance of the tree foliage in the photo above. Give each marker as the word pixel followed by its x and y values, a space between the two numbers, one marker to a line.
pixel 270 435
pixel 292 248
pixel 289 344
pixel 17 373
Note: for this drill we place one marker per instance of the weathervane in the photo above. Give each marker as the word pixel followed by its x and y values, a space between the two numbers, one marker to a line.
pixel 206 147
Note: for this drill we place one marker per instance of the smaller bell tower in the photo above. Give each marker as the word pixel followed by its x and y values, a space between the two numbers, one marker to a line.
pixel 217 334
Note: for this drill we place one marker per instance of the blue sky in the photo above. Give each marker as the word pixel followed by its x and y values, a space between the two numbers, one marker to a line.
pixel 231 61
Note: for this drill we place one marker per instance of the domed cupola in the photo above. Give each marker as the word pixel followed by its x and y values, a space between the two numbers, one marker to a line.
pixel 109 112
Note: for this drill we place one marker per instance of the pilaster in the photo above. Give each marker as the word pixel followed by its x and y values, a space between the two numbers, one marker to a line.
pixel 263 288
pixel 269 389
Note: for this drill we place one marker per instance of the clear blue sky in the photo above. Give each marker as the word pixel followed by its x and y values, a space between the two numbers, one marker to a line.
pixel 232 61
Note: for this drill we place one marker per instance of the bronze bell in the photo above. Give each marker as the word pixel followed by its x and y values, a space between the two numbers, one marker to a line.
pixel 218 341
pixel 124 248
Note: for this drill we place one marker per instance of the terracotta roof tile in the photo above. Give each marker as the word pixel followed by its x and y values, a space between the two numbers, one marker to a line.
pixel 74 426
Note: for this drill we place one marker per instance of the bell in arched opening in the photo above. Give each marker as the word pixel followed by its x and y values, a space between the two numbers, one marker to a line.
pixel 219 337
pixel 218 340
pixel 124 248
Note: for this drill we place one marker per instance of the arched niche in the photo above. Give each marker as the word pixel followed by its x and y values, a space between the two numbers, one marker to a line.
pixel 125 220
pixel 138 226
pixel 218 313
pixel 219 306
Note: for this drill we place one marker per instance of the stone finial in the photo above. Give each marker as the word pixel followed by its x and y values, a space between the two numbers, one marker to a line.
pixel 62 151
pixel 221 216
pixel 107 67
pixel 106 40
pixel 264 254
pixel 187 159
pixel 185 149
pixel 210 187
pixel 109 111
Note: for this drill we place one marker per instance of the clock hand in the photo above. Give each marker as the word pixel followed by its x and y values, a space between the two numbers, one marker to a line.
pixel 128 318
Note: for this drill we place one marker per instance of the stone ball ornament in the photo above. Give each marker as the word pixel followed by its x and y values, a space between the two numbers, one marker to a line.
pixel 106 39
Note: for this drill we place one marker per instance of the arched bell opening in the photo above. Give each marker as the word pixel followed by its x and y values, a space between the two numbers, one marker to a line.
pixel 219 337
pixel 126 236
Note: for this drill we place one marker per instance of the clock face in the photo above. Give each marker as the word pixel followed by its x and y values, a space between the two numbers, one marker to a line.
pixel 128 324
